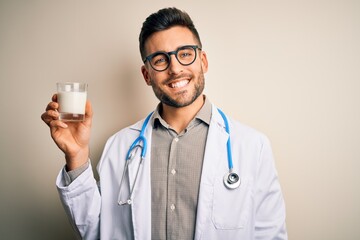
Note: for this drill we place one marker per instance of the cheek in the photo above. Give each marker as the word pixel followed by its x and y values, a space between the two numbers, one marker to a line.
pixel 198 69
pixel 151 78
pixel 157 77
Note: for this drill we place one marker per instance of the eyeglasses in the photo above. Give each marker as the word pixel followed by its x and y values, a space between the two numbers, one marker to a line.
pixel 160 61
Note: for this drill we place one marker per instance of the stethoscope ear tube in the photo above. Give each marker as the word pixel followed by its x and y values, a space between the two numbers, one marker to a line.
pixel 131 155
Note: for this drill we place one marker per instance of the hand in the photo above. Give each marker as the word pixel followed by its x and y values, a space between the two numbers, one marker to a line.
pixel 71 137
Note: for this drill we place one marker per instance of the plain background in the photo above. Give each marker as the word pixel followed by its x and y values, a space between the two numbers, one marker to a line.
pixel 290 69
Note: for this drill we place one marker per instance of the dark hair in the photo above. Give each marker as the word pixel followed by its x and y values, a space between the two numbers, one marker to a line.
pixel 164 19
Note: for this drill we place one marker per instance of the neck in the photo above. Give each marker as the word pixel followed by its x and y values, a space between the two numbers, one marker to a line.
pixel 179 118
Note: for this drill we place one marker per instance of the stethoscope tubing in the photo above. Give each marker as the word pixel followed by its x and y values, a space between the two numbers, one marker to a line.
pixel 139 139
pixel 228 144
pixel 229 183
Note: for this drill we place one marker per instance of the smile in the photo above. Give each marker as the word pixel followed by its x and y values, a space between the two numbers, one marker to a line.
pixel 179 84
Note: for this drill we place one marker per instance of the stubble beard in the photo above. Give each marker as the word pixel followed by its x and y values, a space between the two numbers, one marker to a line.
pixel 183 99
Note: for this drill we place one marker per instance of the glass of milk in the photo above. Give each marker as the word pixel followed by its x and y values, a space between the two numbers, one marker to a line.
pixel 71 97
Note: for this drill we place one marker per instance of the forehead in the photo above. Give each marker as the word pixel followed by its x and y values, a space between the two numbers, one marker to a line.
pixel 169 39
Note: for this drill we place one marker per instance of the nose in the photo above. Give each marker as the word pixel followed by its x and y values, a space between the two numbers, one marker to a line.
pixel 174 67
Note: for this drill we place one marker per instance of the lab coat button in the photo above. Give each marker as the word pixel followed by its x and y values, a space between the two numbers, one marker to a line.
pixel 173 172
pixel 172 207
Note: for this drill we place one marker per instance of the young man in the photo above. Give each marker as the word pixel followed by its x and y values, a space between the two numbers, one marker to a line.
pixel 179 190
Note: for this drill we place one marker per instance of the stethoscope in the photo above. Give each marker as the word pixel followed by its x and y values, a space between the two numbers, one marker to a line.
pixel 231 179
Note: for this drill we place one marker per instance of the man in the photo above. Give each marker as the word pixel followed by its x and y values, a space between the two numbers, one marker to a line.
pixel 178 191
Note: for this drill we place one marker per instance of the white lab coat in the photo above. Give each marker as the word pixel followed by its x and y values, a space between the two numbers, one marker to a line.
pixel 255 210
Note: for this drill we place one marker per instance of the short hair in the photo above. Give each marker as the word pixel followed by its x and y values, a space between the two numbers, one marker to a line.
pixel 164 19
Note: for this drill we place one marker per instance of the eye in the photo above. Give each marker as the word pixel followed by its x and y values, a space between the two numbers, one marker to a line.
pixel 186 53
pixel 159 59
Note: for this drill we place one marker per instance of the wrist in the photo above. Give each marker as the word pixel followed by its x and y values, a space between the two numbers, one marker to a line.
pixel 77 160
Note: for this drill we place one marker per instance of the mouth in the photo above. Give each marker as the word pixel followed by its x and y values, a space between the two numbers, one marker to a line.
pixel 179 84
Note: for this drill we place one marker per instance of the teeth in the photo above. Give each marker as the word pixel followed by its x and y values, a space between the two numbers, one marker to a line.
pixel 179 84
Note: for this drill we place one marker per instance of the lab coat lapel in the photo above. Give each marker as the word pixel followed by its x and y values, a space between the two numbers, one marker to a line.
pixel 141 198
pixel 215 154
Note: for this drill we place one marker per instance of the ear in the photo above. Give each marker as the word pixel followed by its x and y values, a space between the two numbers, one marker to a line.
pixel 204 61
pixel 146 75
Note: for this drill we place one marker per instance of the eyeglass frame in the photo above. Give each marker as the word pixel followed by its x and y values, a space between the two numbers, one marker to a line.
pixel 168 54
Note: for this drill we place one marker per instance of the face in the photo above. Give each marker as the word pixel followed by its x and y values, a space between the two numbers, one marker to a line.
pixel 177 86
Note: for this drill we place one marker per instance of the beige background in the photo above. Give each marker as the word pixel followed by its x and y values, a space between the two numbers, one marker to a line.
pixel 288 68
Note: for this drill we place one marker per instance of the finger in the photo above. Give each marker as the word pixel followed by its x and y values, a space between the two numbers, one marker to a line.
pixel 52 106
pixel 46 119
pixel 54 97
pixel 49 116
pixel 54 124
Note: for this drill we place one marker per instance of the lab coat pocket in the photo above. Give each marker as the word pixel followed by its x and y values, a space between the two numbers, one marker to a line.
pixel 231 207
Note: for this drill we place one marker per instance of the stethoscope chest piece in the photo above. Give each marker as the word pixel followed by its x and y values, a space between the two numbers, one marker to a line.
pixel 232 180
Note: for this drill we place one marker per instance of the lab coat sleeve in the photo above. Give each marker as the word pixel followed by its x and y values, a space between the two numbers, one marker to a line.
pixel 82 202
pixel 270 206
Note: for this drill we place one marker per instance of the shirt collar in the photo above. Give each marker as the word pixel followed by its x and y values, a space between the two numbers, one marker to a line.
pixel 204 114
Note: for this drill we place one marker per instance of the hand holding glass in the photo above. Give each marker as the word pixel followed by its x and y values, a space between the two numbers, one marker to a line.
pixel 71 97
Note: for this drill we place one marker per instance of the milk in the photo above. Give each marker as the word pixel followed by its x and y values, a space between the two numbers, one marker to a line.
pixel 71 101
